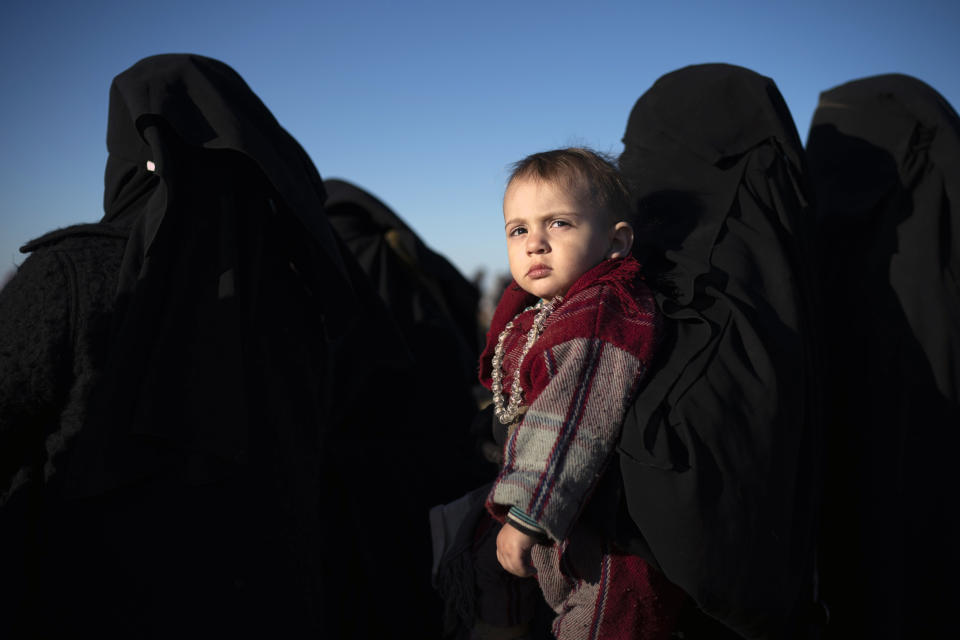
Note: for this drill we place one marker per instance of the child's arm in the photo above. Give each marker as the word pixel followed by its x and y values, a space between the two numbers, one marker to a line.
pixel 556 456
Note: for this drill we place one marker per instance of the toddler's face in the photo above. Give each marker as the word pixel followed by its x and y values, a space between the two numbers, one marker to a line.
pixel 554 235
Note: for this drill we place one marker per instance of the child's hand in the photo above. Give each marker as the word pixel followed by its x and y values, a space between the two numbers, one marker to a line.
pixel 513 551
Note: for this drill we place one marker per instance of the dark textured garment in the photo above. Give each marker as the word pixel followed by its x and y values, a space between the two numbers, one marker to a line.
pixel 241 554
pixel 720 451
pixel 884 155
pixel 179 384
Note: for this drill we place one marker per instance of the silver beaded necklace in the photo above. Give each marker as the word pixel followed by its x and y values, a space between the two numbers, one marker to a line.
pixel 507 414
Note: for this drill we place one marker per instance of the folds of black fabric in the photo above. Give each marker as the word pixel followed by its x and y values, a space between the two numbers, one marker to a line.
pixel 719 452
pixel 884 155
pixel 435 305
pixel 436 309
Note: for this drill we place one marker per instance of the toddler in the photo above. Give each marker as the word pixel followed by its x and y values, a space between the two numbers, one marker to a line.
pixel 569 342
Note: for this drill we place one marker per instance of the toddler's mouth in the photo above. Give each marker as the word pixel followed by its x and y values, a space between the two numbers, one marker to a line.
pixel 538 271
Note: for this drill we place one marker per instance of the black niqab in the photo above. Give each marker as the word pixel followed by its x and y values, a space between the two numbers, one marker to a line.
pixel 204 103
pixel 219 200
pixel 884 156
pixel 719 450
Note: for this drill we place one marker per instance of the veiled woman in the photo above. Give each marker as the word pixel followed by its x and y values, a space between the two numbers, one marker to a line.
pixel 434 305
pixel 884 155
pixel 171 378
pixel 719 452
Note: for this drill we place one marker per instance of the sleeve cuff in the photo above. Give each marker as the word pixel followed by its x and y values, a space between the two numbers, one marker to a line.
pixel 524 523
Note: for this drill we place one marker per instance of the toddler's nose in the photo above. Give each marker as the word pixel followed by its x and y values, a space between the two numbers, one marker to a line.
pixel 537 242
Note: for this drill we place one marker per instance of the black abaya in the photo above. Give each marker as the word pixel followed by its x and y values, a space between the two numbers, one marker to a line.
pixel 719 451
pixel 171 401
pixel 884 155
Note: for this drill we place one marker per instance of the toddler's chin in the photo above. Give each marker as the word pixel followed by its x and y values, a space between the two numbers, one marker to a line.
pixel 540 289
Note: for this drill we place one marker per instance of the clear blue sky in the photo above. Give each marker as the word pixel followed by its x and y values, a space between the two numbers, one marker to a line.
pixel 424 104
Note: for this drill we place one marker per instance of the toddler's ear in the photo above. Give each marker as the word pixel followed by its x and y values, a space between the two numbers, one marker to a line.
pixel 621 240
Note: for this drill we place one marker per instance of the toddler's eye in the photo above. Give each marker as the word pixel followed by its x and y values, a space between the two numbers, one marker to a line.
pixel 559 223
pixel 516 231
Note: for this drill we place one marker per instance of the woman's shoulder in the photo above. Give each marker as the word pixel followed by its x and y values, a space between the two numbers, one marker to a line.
pixel 88 247
pixel 80 262
pixel 78 237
